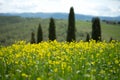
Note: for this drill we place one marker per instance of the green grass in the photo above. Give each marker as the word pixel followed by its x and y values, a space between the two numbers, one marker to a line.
pixel 16 28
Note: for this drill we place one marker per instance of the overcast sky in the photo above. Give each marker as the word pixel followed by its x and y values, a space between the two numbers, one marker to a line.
pixel 89 7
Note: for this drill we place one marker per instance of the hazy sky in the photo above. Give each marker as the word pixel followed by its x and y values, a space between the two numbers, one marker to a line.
pixel 89 7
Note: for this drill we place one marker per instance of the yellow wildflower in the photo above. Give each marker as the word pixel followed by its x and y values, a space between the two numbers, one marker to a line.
pixel 39 78
pixel 24 75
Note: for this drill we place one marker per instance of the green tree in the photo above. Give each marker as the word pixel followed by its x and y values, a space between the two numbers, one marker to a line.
pixel 52 33
pixel 32 38
pixel 96 29
pixel 71 26
pixel 39 34
pixel 87 37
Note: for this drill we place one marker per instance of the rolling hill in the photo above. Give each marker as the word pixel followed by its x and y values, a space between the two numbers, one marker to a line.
pixel 15 28
pixel 58 16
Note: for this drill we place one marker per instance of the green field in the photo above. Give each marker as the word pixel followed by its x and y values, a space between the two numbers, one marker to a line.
pixel 16 28
pixel 58 59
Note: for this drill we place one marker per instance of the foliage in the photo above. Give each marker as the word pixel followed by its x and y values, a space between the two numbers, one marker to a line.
pixel 87 37
pixel 71 26
pixel 52 32
pixel 32 38
pixel 60 61
pixel 96 29
pixel 39 34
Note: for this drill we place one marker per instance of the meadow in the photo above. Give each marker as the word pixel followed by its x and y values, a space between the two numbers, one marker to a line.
pixel 16 28
pixel 53 60
pixel 57 60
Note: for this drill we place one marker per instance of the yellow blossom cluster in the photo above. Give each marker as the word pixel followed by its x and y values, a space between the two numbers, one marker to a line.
pixel 52 60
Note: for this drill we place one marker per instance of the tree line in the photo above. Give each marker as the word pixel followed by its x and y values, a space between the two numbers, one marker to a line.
pixel 96 30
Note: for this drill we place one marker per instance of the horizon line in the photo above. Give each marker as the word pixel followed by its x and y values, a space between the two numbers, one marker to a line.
pixel 58 12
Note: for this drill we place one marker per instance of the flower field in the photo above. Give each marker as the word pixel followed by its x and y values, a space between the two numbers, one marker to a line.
pixel 60 61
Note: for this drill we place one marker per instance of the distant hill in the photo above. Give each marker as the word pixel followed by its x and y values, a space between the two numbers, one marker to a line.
pixel 10 19
pixel 58 16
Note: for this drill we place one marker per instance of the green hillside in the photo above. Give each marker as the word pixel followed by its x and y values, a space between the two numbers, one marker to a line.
pixel 16 28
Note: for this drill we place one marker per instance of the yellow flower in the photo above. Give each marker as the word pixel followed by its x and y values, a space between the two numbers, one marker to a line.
pixel 69 68
pixel 63 65
pixel 39 78
pixel 93 63
pixel 93 70
pixel 24 75
pixel 101 50
pixel 92 56
pixel 55 70
pixel 116 61
pixel 98 54
pixel 109 63
pixel 102 72
pixel 111 70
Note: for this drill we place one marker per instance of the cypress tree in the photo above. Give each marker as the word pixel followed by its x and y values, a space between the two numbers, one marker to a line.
pixel 87 37
pixel 32 38
pixel 39 34
pixel 111 39
pixel 96 29
pixel 52 33
pixel 71 26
